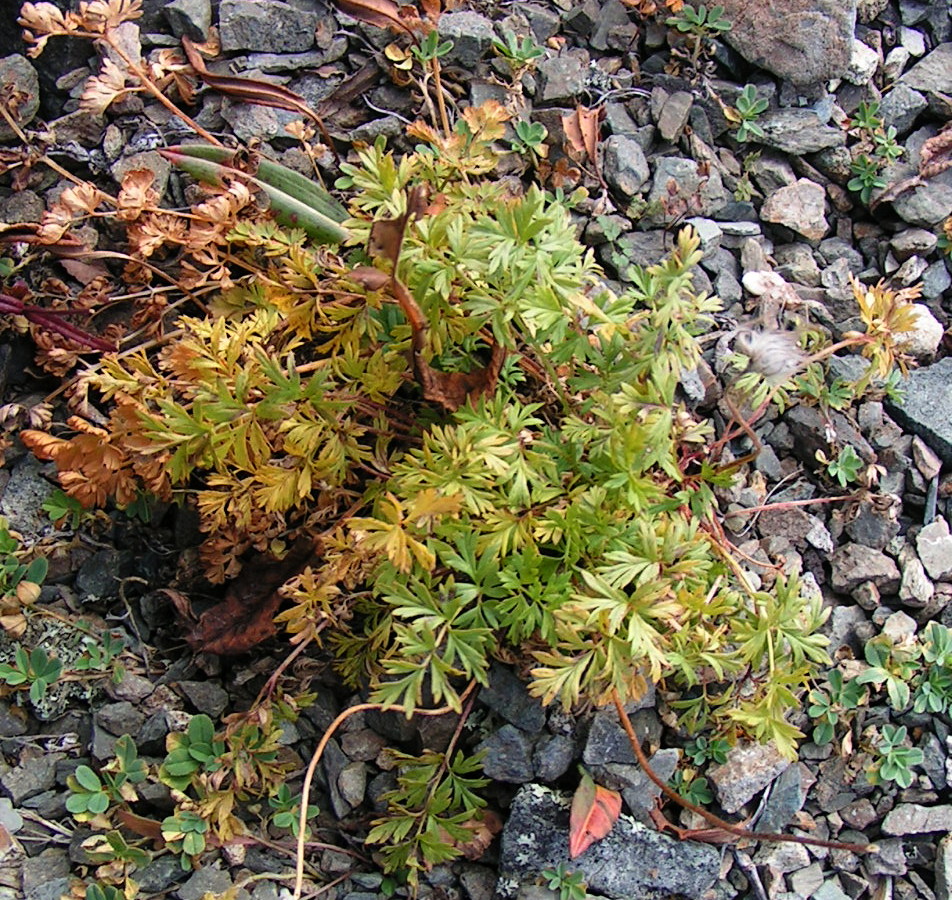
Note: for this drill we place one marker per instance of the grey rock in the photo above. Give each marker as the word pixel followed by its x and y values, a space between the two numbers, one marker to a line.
pixel 22 206
pixel 352 783
pixel 831 889
pixel 640 793
pixel 333 763
pixel 678 187
pixel 890 860
pixel 804 882
pixel 834 248
pixel 925 205
pixel 18 75
pixel 808 428
pixel 913 40
pixel 922 341
pixel 800 207
pixel 508 756
pixel 507 696
pixel 11 724
pixel 132 687
pixel 795 262
pixel 934 760
pixel 785 800
pixel 632 861
pixel 50 889
pixel 748 770
pixel 608 741
pixel 99 576
pixel 804 41
pixel 674 115
pixel 934 544
pixel 936 280
pixel 872 525
pixel 31 777
pixel 863 62
pixel 912 818
pixel 849 627
pixel 561 79
pixel 206 696
pixel 9 817
pixel 189 18
pixel 273 63
pixel 552 756
pixel 272 27
pixel 782 857
pixel 933 73
pixel 798 131
pixel 913 242
pixel 923 408
pixel 901 106
pixel 771 172
pixel 24 496
pixel 643 248
pixel 852 564
pixel 625 166
pixel 472 36
pixel 363 744
pixel 915 590
pixel 943 869
pixel 208 879
pixel 478 882
pixel 120 718
pixel 49 864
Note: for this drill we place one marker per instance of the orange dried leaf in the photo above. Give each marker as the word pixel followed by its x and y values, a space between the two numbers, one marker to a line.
pixel 595 810
pixel 379 13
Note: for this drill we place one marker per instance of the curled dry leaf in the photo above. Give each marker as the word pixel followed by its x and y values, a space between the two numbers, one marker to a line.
pixel 379 13
pixel 595 809
pixel 103 89
pixel 136 194
pixel 936 153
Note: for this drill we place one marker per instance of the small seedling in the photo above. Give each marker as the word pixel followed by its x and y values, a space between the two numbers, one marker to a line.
pixel 431 47
pixel 702 750
pixel 866 117
pixel 700 21
pixel 520 53
pixel 845 468
pixel 749 108
pixel 866 177
pixel 891 666
pixel 826 707
pixel 895 758
pixel 287 810
pixel 185 834
pixel 694 789
pixel 34 668
pixel 101 655
pixel 530 138
pixel 97 891
pixel 886 147
pixel 570 885
pixel 61 508
pixel 191 751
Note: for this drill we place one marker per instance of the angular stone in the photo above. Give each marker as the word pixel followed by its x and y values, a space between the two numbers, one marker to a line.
pixel 933 73
pixel 561 79
pixel 632 861
pixel 625 166
pixel 748 770
pixel 799 131
pixel 934 544
pixel 852 564
pixel 191 18
pixel 901 106
pixel 272 27
pixel 679 187
pixel 508 756
pixel 507 696
pixel 799 206
pixel 674 115
pixel 924 406
pixel 472 36
pixel 912 818
pixel 803 41
pixel 943 869
pixel 862 65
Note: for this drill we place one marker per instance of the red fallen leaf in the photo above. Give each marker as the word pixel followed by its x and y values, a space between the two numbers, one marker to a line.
pixel 245 617
pixel 595 809
pixel 140 825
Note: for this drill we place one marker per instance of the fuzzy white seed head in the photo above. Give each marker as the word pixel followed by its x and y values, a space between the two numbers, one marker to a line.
pixel 774 354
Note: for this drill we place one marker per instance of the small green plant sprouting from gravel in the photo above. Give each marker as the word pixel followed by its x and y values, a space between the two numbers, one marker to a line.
pixel 92 794
pixel 893 666
pixel 699 25
pixel 749 108
pixel 287 810
pixel 894 759
pixel 692 787
pixel 33 668
pixel 703 750
pixel 520 53
pixel 876 148
pixel 194 750
pixel 186 834
pixel 570 885
pixel 846 468
pixel 530 140
pixel 866 177
pixel 829 708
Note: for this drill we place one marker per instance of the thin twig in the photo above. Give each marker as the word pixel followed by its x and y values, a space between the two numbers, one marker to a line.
pixel 709 817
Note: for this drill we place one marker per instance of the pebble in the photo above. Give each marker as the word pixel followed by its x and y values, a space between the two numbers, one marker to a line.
pixel 625 165
pixel 31 777
pixel 934 544
pixel 508 756
pixel 748 770
pixel 273 27
pixel 852 564
pixel 209 879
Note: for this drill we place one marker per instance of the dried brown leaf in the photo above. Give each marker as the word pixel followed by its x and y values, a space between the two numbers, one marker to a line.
pixel 936 154
pixel 81 198
pixel 136 194
pixel 103 89
pixel 379 13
